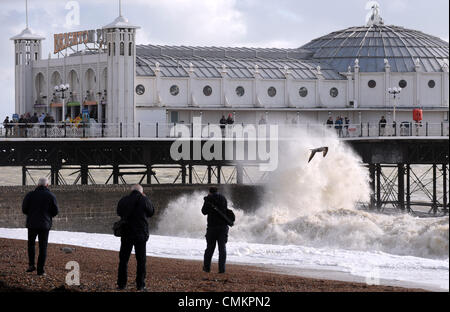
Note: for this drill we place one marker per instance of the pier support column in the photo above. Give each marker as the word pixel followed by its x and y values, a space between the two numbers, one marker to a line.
pixel 378 186
pixel 219 176
pixel 401 186
pixel 209 174
pixel 408 188
pixel 239 174
pixel 24 175
pixel 54 175
pixel 183 174
pixel 84 174
pixel 372 185
pixel 435 204
pixel 149 174
pixel 115 174
pixel 444 184
pixel 190 174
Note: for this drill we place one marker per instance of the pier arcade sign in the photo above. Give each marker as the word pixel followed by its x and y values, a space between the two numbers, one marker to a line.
pixel 66 40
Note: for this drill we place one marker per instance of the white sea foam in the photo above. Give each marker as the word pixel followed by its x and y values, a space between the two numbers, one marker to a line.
pixel 315 205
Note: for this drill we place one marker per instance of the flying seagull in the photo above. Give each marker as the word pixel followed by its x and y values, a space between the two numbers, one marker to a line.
pixel 318 150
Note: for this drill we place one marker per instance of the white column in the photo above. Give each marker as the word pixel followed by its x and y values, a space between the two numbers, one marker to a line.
pixel 349 86
pixel 445 86
pixel 319 87
pixel 357 84
pixel 387 83
pixel 416 100
pixel 223 85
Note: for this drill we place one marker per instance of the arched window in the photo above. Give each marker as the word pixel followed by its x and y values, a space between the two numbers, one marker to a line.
pixel 122 48
pixel 109 49
pixel 130 48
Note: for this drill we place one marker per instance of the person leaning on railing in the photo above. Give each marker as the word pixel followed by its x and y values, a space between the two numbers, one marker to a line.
pixel 6 123
pixel 382 126
pixel 22 125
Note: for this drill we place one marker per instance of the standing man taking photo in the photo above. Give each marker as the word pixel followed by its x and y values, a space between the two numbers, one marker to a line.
pixel 219 220
pixel 40 207
pixel 134 209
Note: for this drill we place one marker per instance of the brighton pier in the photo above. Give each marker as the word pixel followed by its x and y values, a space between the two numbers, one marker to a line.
pixel 118 105
pixel 390 159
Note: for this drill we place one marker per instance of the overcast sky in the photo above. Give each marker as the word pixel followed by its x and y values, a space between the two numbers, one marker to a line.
pixel 251 23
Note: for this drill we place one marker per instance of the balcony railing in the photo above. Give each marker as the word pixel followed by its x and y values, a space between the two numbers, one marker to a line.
pixel 174 130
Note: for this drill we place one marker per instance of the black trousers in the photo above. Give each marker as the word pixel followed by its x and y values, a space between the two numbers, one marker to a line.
pixel 43 242
pixel 126 247
pixel 215 235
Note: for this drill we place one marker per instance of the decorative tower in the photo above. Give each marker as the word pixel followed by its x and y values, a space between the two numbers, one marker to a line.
pixel 121 38
pixel 27 50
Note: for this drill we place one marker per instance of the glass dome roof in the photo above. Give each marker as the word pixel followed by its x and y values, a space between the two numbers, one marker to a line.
pixel 371 45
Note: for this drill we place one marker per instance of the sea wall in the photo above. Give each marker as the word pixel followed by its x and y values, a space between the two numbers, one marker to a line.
pixel 92 208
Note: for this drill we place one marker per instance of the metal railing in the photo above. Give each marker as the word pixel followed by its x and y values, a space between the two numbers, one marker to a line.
pixel 174 130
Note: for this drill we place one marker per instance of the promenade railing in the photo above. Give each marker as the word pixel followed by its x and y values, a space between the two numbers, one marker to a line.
pixel 175 130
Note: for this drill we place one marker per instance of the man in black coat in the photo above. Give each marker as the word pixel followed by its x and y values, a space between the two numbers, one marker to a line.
pixel 217 229
pixel 40 207
pixel 135 208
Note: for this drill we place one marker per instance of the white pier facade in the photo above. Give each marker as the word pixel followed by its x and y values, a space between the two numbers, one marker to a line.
pixel 346 73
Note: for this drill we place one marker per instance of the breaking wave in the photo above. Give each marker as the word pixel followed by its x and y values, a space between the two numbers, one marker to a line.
pixel 316 205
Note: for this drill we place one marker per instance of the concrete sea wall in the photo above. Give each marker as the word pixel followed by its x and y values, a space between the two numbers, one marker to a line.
pixel 92 209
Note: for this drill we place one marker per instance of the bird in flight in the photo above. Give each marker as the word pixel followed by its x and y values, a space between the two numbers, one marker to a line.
pixel 324 150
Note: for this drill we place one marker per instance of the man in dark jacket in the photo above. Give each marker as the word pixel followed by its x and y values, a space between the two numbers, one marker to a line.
pixel 223 123
pixel 40 207
pixel 382 126
pixel 135 209
pixel 217 229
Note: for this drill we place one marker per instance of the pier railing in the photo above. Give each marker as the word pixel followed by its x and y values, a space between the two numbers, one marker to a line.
pixel 174 130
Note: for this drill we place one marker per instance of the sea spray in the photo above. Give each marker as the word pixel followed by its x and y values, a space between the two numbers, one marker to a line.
pixel 315 204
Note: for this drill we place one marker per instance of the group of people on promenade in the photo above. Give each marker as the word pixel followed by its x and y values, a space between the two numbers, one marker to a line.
pixel 40 207
pixel 341 125
pixel 17 126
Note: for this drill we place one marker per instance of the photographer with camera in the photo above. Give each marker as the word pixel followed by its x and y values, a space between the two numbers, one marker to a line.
pixel 220 218
pixel 134 209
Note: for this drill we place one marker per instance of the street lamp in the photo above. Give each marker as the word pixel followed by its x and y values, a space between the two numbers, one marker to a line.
pixel 395 92
pixel 62 89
